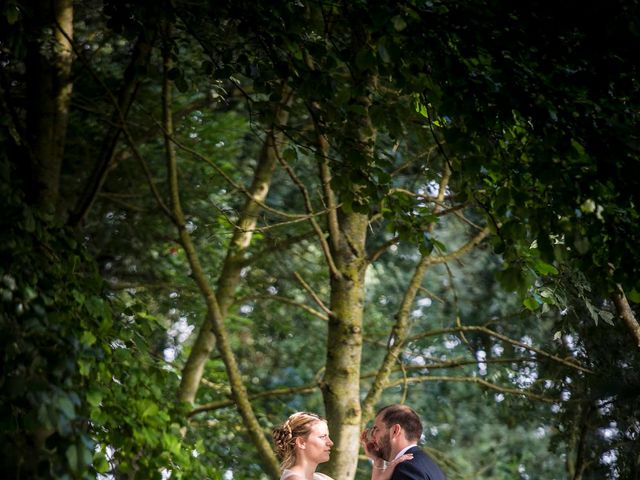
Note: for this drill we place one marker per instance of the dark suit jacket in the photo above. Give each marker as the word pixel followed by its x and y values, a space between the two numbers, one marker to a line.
pixel 420 467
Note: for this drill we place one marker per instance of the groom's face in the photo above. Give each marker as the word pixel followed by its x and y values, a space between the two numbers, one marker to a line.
pixel 382 440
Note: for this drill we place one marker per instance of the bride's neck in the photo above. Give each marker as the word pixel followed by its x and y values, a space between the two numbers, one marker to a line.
pixel 305 469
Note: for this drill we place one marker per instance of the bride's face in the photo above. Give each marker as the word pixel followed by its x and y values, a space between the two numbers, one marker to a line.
pixel 317 446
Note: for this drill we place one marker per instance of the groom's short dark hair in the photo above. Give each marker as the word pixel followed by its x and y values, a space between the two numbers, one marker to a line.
pixel 404 416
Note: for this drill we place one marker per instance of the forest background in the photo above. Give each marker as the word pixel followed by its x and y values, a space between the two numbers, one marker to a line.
pixel 218 213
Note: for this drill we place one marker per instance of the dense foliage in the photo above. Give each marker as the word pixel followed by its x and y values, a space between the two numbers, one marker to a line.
pixel 444 192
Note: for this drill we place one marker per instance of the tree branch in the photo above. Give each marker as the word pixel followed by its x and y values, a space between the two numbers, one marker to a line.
pixel 467 247
pixel 308 207
pixel 125 130
pixel 278 392
pixel 313 294
pixel 289 301
pixel 214 313
pixel 93 185
pixel 395 342
pixel 479 381
pixel 237 186
pixel 325 178
pixel 460 362
pixel 383 248
pixel 504 338
pixel 626 313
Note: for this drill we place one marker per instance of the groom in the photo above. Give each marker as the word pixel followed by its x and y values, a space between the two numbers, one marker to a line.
pixel 396 431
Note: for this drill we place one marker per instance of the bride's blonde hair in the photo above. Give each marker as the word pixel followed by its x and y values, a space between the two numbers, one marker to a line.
pixel 284 436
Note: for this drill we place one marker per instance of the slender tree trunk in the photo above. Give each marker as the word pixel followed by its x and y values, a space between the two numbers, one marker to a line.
pixel 49 86
pixel 396 342
pixel 139 60
pixel 576 453
pixel 624 310
pixel 215 316
pixel 229 278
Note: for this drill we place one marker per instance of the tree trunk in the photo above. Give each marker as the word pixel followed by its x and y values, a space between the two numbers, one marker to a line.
pixel 215 317
pixel 341 385
pixel 48 64
pixel 229 278
pixel 131 80
pixel 624 310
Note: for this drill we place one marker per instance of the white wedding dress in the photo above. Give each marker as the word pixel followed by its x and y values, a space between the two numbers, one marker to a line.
pixel 289 475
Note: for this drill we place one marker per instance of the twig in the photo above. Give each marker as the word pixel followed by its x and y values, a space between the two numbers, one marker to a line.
pixel 313 294
pixel 308 207
pixel 383 248
pixel 123 123
pixel 479 381
pixel 431 294
pixel 271 393
pixel 289 301
pixel 504 338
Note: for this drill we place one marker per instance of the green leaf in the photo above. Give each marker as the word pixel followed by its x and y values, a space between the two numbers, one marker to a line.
pixel 11 13
pixel 88 338
pixel 290 155
pixel 65 405
pixel 100 463
pixel 151 409
pixel 72 457
pixel 634 296
pixel 398 23
pixel 94 397
pixel 531 304
pixel 606 316
pixel 592 311
pixel 84 367
pixel 582 245
pixel 427 245
pixel 383 53
pixel 544 268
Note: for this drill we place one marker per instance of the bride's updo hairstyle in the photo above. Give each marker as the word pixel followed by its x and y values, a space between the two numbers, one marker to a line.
pixel 284 436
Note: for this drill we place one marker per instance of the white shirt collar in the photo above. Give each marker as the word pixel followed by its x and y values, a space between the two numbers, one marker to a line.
pixel 404 450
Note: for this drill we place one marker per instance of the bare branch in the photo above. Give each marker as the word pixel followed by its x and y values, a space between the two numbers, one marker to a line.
pixel 309 208
pixel 624 310
pixel 467 247
pixel 325 177
pixel 278 392
pixel 237 186
pixel 504 338
pixel 240 228
pixel 288 301
pixel 280 245
pixel 383 248
pixel 395 342
pixel 479 381
pixel 125 130
pixel 431 294
pixel 313 294
pixel 461 216
pixel 457 362
pixel 215 316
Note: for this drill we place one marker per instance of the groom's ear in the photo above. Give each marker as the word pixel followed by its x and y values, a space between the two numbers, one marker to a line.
pixel 396 430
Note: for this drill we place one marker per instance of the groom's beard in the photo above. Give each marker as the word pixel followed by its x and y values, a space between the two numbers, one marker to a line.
pixel 384 447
